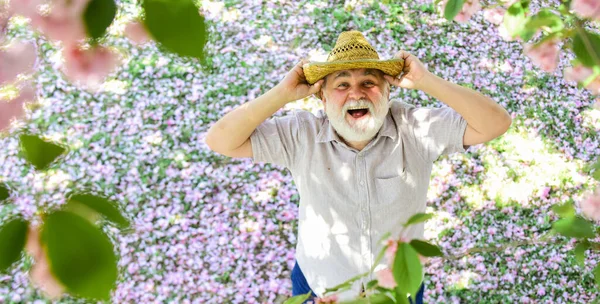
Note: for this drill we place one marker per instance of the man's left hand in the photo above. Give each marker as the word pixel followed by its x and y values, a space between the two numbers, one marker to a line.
pixel 413 73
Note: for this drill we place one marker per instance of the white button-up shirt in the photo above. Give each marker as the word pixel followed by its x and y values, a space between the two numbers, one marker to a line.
pixel 348 198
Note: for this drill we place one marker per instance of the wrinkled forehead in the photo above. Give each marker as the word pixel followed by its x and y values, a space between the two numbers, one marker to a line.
pixel 355 72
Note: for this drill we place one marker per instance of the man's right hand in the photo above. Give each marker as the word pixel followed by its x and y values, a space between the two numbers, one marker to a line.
pixel 295 86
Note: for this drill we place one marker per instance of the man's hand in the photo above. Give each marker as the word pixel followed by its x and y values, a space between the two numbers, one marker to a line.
pixel 294 85
pixel 413 73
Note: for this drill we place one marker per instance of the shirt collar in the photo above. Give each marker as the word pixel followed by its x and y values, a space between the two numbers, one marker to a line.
pixel 327 132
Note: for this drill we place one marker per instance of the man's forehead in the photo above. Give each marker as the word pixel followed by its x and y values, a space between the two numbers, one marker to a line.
pixel 364 72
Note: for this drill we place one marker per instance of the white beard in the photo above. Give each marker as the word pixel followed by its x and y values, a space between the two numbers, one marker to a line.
pixel 364 129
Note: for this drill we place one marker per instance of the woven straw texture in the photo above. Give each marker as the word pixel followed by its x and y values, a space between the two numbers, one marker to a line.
pixel 351 51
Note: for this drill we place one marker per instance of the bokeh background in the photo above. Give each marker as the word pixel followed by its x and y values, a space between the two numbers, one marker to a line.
pixel 210 229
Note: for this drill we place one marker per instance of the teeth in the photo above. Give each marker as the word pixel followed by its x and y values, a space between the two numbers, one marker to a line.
pixel 358 108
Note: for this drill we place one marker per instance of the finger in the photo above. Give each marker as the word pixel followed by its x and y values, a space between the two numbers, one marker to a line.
pixel 316 87
pixel 392 80
pixel 402 54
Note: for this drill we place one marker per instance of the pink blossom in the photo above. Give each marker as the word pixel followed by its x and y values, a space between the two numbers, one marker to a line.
pixel 580 73
pixel 586 8
pixel 25 8
pixel 13 109
pixel 390 251
pixel 64 22
pixel 40 273
pixel 385 278
pixel 5 15
pixel 544 55
pixel 577 73
pixel 18 58
pixel 468 10
pixel 136 32
pixel 332 299
pixel 90 66
pixel 494 15
pixel 591 206
pixel 541 291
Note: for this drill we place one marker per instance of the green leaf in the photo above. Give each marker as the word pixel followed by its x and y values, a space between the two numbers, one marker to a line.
pixel 586 47
pixel 453 7
pixel 515 19
pixel 401 297
pixel 576 227
pixel 103 206
pixel 12 238
pixel 299 299
pixel 580 250
pixel 177 25
pixel 339 14
pixel 546 20
pixel 426 249
pixel 418 218
pixel 371 284
pixel 345 285
pixel 597 274
pixel 98 16
pixel 378 259
pixel 594 169
pixel 407 270
pixel 4 193
pixel 81 256
pixel 373 299
pixel 564 210
pixel 38 152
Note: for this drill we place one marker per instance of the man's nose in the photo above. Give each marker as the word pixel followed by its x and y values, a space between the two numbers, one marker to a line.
pixel 356 92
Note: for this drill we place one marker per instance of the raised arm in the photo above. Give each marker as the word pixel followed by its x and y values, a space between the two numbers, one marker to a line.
pixel 485 118
pixel 230 135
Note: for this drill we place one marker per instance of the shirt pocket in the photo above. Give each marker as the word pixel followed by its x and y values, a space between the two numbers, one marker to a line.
pixel 395 190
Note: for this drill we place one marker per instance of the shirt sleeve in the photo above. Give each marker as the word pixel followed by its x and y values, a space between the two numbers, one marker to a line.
pixel 277 140
pixel 441 131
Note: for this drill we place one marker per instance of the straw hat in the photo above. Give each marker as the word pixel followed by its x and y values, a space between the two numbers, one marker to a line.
pixel 351 51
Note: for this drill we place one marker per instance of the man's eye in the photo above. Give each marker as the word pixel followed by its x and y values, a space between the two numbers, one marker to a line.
pixel 343 85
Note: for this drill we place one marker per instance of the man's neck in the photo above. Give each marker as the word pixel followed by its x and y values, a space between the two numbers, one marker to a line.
pixel 358 145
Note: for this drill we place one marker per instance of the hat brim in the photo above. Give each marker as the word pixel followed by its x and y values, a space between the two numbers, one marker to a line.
pixel 314 71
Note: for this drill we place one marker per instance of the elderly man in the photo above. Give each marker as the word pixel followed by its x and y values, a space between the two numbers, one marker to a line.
pixel 362 166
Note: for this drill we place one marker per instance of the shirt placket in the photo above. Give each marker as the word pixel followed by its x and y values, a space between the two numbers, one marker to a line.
pixel 365 218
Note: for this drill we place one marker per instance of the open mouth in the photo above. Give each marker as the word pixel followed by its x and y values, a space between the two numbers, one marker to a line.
pixel 358 112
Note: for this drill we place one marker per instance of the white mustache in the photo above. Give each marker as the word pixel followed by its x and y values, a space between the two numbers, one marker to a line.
pixel 359 103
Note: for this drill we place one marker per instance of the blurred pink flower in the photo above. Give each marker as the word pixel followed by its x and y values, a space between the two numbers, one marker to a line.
pixel 390 251
pixel 385 278
pixel 40 273
pixel 90 66
pixel 580 73
pixel 586 8
pixel 469 9
pixel 64 22
pixel 332 299
pixel 18 58
pixel 5 15
pixel 13 109
pixel 494 15
pixel 591 206
pixel 544 55
pixel 25 8
pixel 136 32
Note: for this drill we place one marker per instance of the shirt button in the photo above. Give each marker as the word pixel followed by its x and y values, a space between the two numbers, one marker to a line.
pixel 362 183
